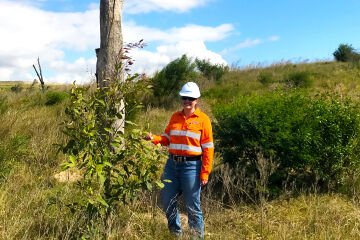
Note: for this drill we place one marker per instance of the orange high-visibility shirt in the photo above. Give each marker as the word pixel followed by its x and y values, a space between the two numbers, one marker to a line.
pixel 190 137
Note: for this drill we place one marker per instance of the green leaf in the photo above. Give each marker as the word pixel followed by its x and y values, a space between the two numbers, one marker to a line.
pixel 102 201
pixel 102 102
pixel 115 145
pixel 67 165
pixel 109 130
pixel 131 123
pixel 149 186
pixel 108 164
pixel 72 159
pixel 159 184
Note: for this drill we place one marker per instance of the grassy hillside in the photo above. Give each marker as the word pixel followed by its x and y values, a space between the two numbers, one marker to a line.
pixel 337 77
pixel 33 201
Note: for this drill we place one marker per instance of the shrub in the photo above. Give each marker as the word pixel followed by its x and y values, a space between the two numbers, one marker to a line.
pixel 53 97
pixel 116 166
pixel 169 80
pixel 211 71
pixel 17 88
pixel 310 138
pixel 346 53
pixel 265 78
pixel 299 79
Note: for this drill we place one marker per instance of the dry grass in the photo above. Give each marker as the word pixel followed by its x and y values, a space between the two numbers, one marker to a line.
pixel 154 119
pixel 304 217
pixel 27 212
pixel 32 200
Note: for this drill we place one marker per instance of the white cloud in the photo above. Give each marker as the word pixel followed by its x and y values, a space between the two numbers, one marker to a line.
pixel 6 72
pixel 144 6
pixel 196 32
pixel 174 42
pixel 64 41
pixel 150 62
pixel 273 38
pixel 248 43
pixel 32 33
pixel 191 32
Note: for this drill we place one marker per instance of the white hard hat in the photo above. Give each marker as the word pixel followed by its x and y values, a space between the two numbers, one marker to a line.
pixel 190 89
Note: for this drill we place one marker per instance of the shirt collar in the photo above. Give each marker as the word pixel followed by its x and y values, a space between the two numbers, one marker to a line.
pixel 196 113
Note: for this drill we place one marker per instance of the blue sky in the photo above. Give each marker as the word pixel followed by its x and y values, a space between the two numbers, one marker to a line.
pixel 64 33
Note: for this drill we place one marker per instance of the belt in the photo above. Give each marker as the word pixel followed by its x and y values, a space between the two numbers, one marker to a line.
pixel 178 158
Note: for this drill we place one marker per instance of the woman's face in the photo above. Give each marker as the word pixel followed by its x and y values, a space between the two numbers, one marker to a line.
pixel 189 103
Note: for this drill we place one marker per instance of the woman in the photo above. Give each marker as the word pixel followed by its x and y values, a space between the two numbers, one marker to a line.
pixel 189 138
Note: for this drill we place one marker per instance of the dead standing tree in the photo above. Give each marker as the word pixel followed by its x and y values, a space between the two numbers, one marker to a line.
pixel 39 74
pixel 109 65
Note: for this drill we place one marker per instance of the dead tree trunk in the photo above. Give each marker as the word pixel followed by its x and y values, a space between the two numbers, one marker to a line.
pixel 110 41
pixel 39 74
pixel 108 66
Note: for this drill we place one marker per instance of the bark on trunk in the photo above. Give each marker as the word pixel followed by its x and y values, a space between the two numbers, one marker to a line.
pixel 108 65
pixel 111 41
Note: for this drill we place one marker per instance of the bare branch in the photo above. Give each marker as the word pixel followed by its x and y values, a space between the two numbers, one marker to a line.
pixel 39 74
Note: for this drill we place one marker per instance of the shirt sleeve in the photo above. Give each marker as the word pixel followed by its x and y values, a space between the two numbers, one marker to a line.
pixel 207 145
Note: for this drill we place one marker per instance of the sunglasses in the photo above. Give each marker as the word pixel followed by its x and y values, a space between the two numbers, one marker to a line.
pixel 188 98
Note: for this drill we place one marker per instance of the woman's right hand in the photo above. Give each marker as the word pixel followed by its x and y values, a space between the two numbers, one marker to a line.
pixel 149 137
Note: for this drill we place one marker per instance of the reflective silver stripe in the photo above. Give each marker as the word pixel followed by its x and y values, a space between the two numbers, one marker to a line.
pixel 208 145
pixel 185 133
pixel 165 135
pixel 185 147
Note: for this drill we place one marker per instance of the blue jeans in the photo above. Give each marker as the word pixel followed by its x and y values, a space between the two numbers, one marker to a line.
pixel 184 178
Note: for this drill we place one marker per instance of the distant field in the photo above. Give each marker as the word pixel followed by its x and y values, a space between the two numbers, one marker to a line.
pixel 2 83
pixel 9 84
pixel 6 85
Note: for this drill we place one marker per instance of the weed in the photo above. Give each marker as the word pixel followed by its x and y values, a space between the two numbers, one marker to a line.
pixel 265 78
pixel 53 97
pixel 17 88
pixel 299 79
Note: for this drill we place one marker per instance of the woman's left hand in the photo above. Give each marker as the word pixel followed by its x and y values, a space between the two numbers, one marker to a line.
pixel 204 182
